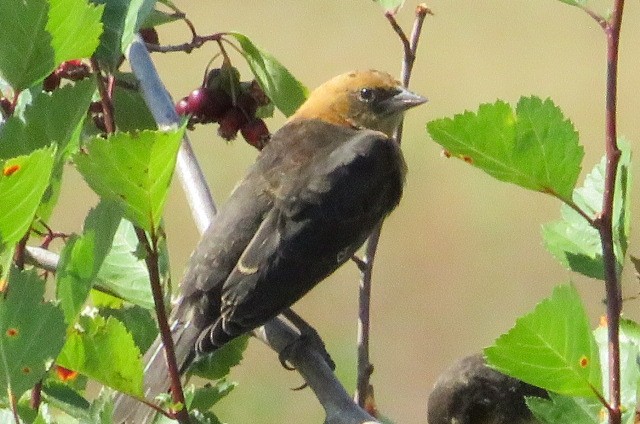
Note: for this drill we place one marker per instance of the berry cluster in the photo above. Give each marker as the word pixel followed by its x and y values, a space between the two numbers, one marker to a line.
pixel 73 70
pixel 223 99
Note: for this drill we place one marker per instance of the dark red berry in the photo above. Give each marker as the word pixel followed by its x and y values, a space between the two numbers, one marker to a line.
pixel 231 123
pixel 6 106
pixel 256 133
pixel 149 35
pixel 98 121
pixel 95 107
pixel 218 103
pixel 182 106
pixel 51 82
pixel 256 92
pixel 247 103
pixel 73 70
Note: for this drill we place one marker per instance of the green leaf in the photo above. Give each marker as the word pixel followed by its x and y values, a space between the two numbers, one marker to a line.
pixel 219 363
pixel 551 347
pixel 573 241
pixel 560 409
pixel 131 112
pixel 26 55
pixel 22 184
pixel 31 332
pixel 121 20
pixel 575 2
pixel 391 5
pixel 284 90
pixel 101 411
pixel 50 118
pixel 157 17
pixel 629 354
pixel 63 397
pixel 123 273
pixel 83 256
pixel 205 397
pixel 138 321
pixel 134 169
pixel 103 350
pixel 75 28
pixel 535 148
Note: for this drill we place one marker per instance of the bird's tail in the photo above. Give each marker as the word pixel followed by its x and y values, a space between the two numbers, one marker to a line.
pixel 128 410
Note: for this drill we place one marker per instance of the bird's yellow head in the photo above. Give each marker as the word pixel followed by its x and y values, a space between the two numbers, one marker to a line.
pixel 360 99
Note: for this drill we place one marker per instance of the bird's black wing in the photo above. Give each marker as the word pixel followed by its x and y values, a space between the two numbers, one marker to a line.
pixel 322 214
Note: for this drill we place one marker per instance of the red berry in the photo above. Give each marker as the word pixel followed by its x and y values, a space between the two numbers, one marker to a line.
pixel 247 103
pixel 218 103
pixel 256 133
pixel 149 35
pixel 6 106
pixel 231 123
pixel 197 100
pixel 74 70
pixel 51 82
pixel 256 92
pixel 181 106
pixel 95 107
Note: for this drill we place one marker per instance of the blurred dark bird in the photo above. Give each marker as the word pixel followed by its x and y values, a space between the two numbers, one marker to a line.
pixel 472 393
pixel 313 196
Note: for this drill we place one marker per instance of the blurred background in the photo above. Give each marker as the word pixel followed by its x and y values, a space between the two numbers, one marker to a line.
pixel 462 257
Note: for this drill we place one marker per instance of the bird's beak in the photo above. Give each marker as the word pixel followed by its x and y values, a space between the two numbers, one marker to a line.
pixel 402 100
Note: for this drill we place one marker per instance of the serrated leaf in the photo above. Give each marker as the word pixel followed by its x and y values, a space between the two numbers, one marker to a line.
pixel 573 241
pixel 22 184
pixel 535 147
pixel 82 257
pixel 218 364
pixel 75 28
pixel 138 321
pixel 134 169
pixel 49 118
pixel 131 112
pixel 284 90
pixel 559 409
pixel 205 397
pixel 629 368
pixel 551 347
pixel 66 399
pixel 123 273
pixel 26 55
pixel 121 20
pixel 31 332
pixel 104 350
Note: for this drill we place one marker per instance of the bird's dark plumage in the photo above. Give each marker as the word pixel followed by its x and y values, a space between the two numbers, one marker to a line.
pixel 313 196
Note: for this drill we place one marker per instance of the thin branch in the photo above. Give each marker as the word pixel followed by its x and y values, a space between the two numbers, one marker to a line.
pixel 613 287
pixel 596 16
pixel 311 364
pixel 151 260
pixel 365 368
pixel 105 98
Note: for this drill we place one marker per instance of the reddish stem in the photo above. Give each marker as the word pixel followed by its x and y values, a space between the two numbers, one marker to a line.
pixel 177 394
pixel 605 221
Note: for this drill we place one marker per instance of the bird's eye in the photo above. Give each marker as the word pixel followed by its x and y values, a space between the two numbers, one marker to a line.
pixel 367 95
